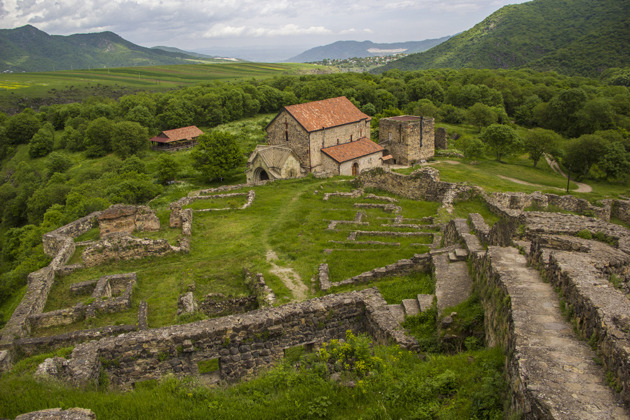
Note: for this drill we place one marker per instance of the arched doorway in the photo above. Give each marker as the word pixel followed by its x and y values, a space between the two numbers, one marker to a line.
pixel 355 169
pixel 260 175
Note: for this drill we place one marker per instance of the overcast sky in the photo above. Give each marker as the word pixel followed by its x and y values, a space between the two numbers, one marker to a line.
pixel 207 25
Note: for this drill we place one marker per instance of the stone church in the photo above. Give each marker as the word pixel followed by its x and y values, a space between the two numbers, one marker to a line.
pixel 327 137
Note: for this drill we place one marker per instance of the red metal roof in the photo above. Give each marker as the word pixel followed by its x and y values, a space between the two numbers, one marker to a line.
pixel 328 113
pixel 184 133
pixel 354 149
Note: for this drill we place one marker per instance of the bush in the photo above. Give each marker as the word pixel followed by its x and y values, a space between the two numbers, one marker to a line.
pixel 584 234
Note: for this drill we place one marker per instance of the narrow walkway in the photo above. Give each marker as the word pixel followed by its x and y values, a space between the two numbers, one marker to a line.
pixel 582 188
pixel 557 368
pixel 289 277
pixel 452 281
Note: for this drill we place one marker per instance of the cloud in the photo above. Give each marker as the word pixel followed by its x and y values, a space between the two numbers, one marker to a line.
pixel 194 22
pixel 355 31
pixel 225 31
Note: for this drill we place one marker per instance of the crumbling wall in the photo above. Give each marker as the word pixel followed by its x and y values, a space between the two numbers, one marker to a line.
pixel 122 246
pixel 244 343
pixel 422 184
pixel 127 218
pixel 510 204
pixel 419 262
pixel 53 241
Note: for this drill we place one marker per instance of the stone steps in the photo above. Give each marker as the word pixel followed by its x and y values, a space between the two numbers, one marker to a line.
pixel 410 307
pixel 452 281
pixel 551 369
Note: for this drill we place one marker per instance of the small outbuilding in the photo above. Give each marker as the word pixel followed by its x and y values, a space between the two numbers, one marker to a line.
pixel 176 139
pixel 272 162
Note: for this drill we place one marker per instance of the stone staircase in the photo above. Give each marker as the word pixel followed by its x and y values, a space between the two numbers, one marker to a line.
pixel 410 307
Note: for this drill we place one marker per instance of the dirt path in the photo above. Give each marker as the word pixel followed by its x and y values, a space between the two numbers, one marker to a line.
pixel 518 181
pixel 582 188
pixel 289 277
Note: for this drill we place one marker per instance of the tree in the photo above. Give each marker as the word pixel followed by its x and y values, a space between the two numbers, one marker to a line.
pixel 615 162
pixel 539 141
pixel 584 152
pixel 98 137
pixel 481 115
pixel 129 138
pixel 22 127
pixel 167 169
pixel 42 142
pixel 501 139
pixel 215 154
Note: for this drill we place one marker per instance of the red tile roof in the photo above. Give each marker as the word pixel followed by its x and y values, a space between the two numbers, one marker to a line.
pixel 314 116
pixel 184 133
pixel 354 149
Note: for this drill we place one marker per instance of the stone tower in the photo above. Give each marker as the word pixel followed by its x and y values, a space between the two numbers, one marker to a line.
pixel 408 138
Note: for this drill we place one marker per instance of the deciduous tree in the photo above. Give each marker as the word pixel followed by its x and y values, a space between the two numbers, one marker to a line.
pixel 215 154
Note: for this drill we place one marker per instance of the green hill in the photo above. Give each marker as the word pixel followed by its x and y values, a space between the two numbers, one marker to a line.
pixel 574 37
pixel 29 49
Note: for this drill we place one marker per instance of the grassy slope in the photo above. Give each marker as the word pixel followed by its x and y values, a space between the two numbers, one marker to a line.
pixel 76 83
pixel 570 36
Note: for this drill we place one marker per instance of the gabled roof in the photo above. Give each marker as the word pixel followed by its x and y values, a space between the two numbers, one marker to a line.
pixel 314 116
pixel 273 156
pixel 184 133
pixel 354 149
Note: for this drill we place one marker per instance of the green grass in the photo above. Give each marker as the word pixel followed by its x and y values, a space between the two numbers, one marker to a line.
pixel 218 203
pixel 396 288
pixel 462 209
pixel 224 243
pixel 486 174
pixel 463 386
pixel 152 78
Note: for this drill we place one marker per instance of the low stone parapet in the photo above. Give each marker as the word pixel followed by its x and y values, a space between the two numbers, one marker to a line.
pixel 243 344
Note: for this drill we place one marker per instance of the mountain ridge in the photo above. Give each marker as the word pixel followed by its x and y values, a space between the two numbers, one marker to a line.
pixel 351 49
pixel 29 49
pixel 578 37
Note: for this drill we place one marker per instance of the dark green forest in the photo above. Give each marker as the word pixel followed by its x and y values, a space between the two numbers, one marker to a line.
pixel 63 162
pixel 575 37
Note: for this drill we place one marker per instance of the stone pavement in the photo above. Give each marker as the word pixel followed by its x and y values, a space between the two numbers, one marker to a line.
pixel 550 366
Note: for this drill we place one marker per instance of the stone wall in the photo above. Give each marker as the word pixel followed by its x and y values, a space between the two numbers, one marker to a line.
pixel 601 312
pixel 441 138
pixel 621 210
pixel 243 344
pixel 110 294
pixel 296 138
pixel 511 204
pixel 59 414
pixel 423 184
pixel 457 232
pixel 419 262
pixel 408 140
pixel 53 241
pixel 122 246
pixel 332 137
pixel 37 345
pixel 491 286
pixel 217 304
pixel 129 219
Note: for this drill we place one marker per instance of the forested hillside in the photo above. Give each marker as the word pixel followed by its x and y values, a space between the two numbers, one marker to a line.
pixel 29 49
pixel 569 36
pixel 64 161
pixel 351 49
